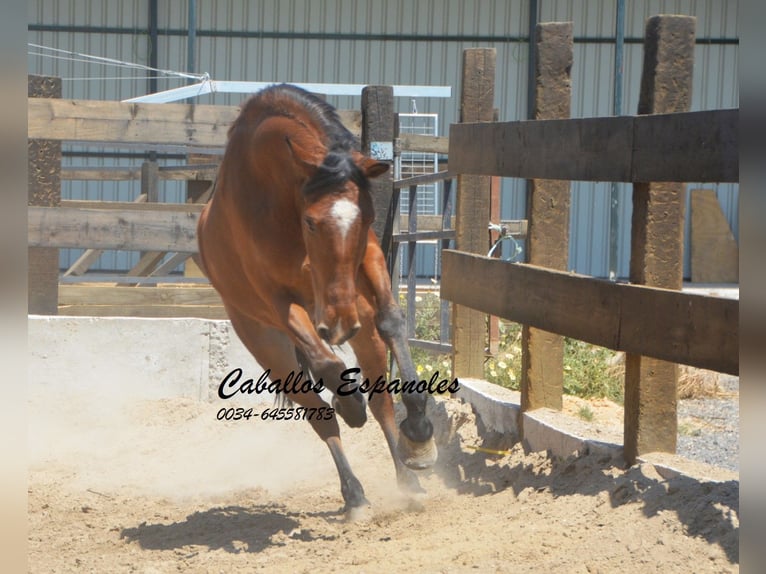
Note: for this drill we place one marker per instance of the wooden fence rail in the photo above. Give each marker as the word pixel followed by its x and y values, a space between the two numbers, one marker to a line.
pixel 682 328
pixel 690 146
pixel 651 319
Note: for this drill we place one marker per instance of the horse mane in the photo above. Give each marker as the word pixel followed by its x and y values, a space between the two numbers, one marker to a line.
pixel 290 101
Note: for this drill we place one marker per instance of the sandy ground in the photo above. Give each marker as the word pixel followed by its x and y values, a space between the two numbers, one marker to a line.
pixel 118 485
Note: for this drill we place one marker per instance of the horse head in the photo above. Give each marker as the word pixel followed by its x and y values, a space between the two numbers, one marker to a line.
pixel 336 214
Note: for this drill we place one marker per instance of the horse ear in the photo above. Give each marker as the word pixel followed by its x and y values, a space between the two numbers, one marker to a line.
pixel 373 168
pixel 308 168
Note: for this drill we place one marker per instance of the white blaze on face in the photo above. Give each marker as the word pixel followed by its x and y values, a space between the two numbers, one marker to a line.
pixel 344 213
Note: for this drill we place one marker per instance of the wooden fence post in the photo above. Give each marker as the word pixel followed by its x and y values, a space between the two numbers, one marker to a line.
pixel 198 191
pixel 44 189
pixel 472 209
pixel 656 252
pixel 542 353
pixel 378 142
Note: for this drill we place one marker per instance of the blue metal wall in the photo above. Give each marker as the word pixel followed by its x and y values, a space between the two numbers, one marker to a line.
pixel 388 42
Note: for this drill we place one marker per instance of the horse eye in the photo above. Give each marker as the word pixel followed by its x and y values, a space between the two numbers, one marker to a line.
pixel 310 224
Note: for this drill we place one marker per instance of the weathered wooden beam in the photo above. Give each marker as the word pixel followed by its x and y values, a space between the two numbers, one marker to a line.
pixel 90 256
pixel 472 210
pixel 689 146
pixel 657 233
pixel 43 189
pixel 131 206
pixel 671 325
pixel 715 255
pixel 378 142
pixel 423 143
pixel 176 173
pixel 109 295
pixel 548 201
pixel 158 311
pixel 112 229
pixel 98 121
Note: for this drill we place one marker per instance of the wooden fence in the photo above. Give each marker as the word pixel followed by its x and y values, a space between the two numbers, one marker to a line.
pixel 650 319
pixel 157 229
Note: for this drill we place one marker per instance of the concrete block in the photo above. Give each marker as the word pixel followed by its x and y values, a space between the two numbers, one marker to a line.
pixel 146 358
pixel 497 406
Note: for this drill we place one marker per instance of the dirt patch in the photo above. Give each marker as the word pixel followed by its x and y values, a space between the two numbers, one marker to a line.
pixel 162 486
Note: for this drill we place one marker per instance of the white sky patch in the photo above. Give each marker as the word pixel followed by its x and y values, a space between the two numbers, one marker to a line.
pixel 344 213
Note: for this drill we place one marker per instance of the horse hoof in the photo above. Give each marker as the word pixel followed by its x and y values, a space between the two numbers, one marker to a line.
pixel 354 415
pixel 416 455
pixel 358 513
pixel 409 484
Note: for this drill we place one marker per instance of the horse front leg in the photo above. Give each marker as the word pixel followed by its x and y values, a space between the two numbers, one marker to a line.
pixel 416 447
pixel 348 400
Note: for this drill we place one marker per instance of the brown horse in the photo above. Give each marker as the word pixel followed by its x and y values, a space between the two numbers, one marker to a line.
pixel 286 241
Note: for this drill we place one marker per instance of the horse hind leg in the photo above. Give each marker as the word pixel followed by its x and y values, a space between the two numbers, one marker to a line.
pixel 274 350
pixel 370 351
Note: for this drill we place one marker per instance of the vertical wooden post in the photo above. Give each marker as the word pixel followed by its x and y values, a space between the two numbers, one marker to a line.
pixel 494 217
pixel 378 142
pixel 44 189
pixel 150 176
pixel 150 179
pixel 195 193
pixel 656 256
pixel 472 209
pixel 542 353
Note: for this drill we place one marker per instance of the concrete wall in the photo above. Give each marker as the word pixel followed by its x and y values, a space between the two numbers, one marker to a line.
pixel 150 358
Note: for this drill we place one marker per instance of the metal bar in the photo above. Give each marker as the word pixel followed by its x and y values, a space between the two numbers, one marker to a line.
pixel 153 62
pixel 444 348
pixel 412 227
pixel 614 195
pixel 191 38
pixel 350 36
pixel 444 305
pixel 237 87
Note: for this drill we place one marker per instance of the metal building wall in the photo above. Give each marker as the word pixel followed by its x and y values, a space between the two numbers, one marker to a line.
pixel 393 42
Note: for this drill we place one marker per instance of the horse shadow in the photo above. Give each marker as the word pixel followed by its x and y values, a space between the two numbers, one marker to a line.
pixel 234 529
pixel 708 509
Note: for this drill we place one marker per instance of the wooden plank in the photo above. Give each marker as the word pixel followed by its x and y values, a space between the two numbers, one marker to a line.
pixel 548 200
pixel 715 255
pixel 175 173
pixel 656 245
pixel 423 143
pixel 406 236
pixel 689 146
pixel 159 311
pixel 671 325
pixel 103 295
pixel 472 210
pixel 427 222
pixel 132 206
pixel 43 189
pixel 112 229
pixel 90 256
pixel 98 121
